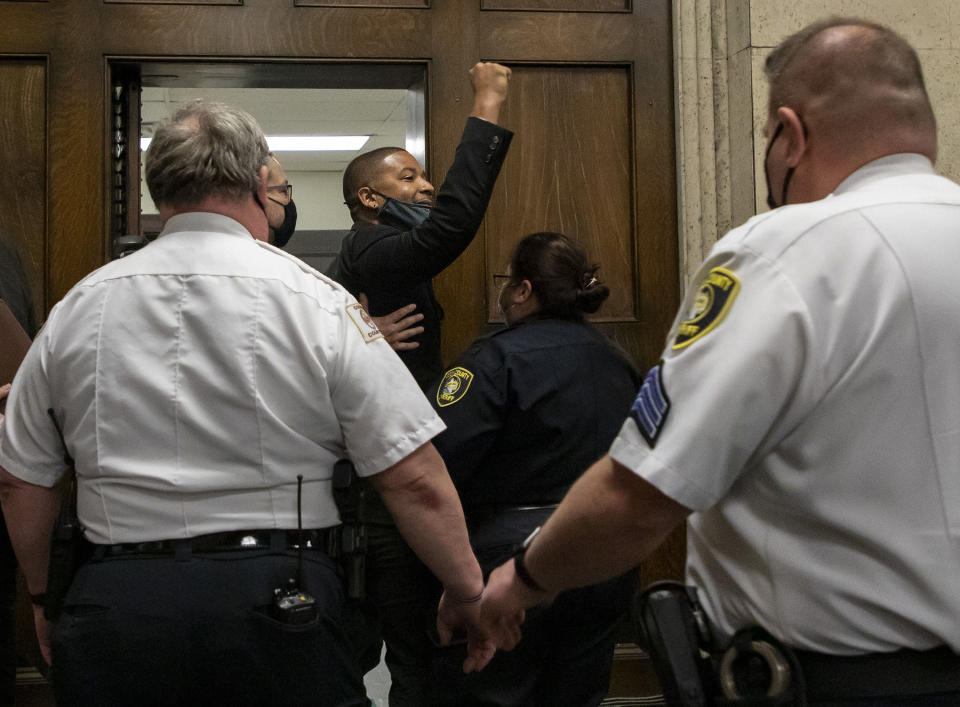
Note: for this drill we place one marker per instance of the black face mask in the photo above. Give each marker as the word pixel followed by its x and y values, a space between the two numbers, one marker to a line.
pixel 282 233
pixel 771 202
pixel 402 214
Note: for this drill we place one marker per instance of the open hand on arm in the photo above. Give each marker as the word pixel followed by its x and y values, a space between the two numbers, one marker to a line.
pixel 398 326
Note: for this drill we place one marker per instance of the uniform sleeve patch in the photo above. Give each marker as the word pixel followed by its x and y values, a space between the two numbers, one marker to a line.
pixel 364 323
pixel 455 384
pixel 651 406
pixel 713 300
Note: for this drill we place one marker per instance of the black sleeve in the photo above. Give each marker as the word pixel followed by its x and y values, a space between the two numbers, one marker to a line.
pixel 474 417
pixel 418 255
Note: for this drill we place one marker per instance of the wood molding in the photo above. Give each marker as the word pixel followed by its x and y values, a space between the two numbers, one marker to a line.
pixel 557 5
pixel 173 2
pixel 383 4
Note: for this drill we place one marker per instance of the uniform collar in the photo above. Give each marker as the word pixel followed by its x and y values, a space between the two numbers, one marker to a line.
pixel 204 221
pixel 884 168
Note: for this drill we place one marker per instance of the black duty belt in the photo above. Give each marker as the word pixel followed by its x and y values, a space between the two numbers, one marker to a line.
pixel 229 541
pixel 902 673
pixel 485 514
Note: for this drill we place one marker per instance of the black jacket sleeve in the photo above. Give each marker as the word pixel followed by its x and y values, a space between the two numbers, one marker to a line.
pixel 381 253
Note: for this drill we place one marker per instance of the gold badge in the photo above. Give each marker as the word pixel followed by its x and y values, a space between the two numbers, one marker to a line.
pixel 454 386
pixel 367 327
pixel 710 305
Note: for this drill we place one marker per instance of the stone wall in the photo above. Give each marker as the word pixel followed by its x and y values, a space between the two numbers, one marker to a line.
pixel 719 49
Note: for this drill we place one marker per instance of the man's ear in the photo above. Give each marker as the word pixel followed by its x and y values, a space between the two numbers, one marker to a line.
pixel 368 198
pixel 262 173
pixel 794 133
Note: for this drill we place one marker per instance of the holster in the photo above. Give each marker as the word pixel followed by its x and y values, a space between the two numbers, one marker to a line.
pixel 755 670
pixel 351 550
pixel 673 630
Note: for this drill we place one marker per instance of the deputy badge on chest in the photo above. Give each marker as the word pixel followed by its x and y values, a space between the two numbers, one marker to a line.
pixel 363 321
pixel 454 386
pixel 710 305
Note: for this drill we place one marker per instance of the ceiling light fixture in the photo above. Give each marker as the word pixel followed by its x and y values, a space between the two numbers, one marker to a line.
pixel 304 143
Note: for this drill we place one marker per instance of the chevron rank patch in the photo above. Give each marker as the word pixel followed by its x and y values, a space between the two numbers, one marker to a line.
pixel 367 327
pixel 713 300
pixel 651 406
pixel 455 384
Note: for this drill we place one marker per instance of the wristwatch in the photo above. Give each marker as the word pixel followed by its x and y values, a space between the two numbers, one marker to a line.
pixel 521 568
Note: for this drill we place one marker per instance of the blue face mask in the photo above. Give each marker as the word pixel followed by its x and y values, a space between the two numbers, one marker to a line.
pixel 402 214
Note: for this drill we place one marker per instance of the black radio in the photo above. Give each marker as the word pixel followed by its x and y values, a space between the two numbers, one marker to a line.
pixel 293 605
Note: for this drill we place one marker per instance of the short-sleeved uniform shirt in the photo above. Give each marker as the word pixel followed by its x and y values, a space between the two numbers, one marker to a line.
pixel 808 407
pixel 195 379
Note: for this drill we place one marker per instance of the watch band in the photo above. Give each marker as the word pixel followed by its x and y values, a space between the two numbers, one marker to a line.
pixel 524 574
pixel 39 599
pixel 520 567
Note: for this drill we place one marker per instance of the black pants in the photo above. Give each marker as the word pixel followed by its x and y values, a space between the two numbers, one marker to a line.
pixel 566 654
pixel 940 699
pixel 139 630
pixel 401 607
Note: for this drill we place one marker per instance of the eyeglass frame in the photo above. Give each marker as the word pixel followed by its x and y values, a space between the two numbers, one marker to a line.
pixel 285 188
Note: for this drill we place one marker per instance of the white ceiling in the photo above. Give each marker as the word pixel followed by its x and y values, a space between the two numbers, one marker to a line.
pixel 381 113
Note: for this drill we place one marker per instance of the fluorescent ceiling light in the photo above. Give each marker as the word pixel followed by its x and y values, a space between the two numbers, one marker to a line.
pixel 315 143
pixel 304 143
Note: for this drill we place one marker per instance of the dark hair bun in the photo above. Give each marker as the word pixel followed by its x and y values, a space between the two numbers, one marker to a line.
pixel 589 300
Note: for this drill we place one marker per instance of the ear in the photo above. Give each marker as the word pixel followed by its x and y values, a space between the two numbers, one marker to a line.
pixel 262 184
pixel 794 134
pixel 522 292
pixel 367 198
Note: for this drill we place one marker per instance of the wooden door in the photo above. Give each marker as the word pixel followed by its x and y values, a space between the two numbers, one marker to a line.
pixel 591 105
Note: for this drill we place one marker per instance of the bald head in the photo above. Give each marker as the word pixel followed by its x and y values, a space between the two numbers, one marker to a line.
pixel 362 171
pixel 857 85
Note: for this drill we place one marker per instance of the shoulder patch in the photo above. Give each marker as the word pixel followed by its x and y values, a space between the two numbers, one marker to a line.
pixel 713 300
pixel 651 406
pixel 365 325
pixel 455 384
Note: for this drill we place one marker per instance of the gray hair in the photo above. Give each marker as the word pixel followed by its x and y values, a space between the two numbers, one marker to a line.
pixel 206 149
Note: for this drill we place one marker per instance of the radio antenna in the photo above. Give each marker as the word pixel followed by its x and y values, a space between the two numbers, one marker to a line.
pixel 299 530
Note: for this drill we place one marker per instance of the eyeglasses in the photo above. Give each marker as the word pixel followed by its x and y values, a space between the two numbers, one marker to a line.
pixel 501 281
pixel 285 188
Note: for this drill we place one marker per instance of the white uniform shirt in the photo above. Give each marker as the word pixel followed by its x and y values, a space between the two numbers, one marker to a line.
pixel 195 379
pixel 813 386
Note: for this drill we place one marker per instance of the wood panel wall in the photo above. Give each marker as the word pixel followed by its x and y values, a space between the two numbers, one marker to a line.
pixel 23 178
pixel 592 106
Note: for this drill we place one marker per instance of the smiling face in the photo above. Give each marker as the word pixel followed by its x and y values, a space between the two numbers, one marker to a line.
pixel 402 178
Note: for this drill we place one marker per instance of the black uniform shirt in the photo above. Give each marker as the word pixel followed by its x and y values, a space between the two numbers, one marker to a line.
pixel 528 409
pixel 395 268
